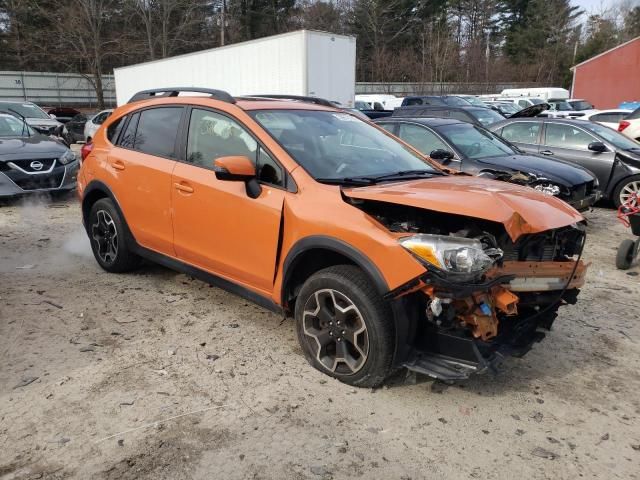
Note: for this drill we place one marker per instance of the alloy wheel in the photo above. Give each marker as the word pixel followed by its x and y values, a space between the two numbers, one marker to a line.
pixel 105 235
pixel 629 190
pixel 338 334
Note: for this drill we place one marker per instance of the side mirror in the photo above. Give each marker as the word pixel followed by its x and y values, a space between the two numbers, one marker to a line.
pixel 441 155
pixel 597 147
pixel 238 169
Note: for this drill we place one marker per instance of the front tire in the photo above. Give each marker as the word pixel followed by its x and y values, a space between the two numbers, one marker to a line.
pixel 624 257
pixel 107 234
pixel 344 326
pixel 625 189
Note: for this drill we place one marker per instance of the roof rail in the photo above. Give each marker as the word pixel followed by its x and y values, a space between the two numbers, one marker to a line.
pixel 175 91
pixel 300 98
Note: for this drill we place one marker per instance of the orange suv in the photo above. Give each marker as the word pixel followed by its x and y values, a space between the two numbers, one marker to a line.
pixel 383 259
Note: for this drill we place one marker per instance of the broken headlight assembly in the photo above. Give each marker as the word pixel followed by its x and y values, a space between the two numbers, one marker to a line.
pixel 548 189
pixel 459 257
pixel 68 157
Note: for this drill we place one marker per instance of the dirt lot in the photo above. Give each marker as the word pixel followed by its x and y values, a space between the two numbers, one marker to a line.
pixel 155 375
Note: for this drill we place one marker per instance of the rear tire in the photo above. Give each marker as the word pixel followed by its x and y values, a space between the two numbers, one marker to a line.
pixel 344 326
pixel 624 188
pixel 109 239
pixel 624 257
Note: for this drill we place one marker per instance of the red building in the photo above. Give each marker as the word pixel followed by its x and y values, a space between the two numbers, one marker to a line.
pixel 610 78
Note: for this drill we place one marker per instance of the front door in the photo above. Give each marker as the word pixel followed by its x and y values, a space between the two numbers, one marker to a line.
pixel 569 142
pixel 217 226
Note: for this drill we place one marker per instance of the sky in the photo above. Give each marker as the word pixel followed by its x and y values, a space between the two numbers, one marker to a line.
pixel 596 5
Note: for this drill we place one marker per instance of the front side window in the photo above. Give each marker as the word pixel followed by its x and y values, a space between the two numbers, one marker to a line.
pixel 212 135
pixel 475 142
pixel 422 139
pixel 334 145
pixel 567 136
pixel 522 132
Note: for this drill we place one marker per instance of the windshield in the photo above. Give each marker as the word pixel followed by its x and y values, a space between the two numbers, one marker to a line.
pixel 11 126
pixel 475 142
pixel 334 145
pixel 486 116
pixel 509 108
pixel 456 101
pixel 616 139
pixel 560 106
pixel 581 105
pixel 27 110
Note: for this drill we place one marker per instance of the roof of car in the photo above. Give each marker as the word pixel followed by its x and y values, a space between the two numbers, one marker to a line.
pixel 280 105
pixel 429 121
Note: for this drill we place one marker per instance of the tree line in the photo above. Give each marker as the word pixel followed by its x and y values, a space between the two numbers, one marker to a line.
pixel 398 40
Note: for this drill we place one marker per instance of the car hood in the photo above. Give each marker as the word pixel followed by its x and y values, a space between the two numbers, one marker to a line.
pixel 557 171
pixel 29 147
pixel 532 111
pixel 521 210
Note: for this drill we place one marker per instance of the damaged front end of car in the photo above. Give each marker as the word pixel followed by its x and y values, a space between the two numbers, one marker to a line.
pixel 483 296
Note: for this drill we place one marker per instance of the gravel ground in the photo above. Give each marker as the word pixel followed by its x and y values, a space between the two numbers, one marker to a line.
pixel 154 375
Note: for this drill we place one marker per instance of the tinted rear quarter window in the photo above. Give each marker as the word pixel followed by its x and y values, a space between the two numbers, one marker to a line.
pixel 157 131
pixel 114 129
pixel 127 139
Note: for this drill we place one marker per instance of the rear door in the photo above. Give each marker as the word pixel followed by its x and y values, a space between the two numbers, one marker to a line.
pixel 141 165
pixel 217 226
pixel 570 142
pixel 525 135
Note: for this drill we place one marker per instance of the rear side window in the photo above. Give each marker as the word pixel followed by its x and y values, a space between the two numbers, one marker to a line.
pixel 113 130
pixel 157 131
pixel 413 101
pixel 611 117
pixel 460 115
pixel 522 132
pixel 634 115
pixel 128 136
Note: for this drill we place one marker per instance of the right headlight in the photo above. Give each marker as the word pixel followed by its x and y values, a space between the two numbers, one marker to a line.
pixel 455 255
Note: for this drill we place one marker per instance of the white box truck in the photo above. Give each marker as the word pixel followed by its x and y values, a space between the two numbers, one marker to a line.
pixel 304 62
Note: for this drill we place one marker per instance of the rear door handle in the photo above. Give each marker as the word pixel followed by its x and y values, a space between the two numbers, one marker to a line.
pixel 546 152
pixel 118 165
pixel 183 187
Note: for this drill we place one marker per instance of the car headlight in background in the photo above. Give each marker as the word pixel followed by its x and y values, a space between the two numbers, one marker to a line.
pixel 456 255
pixel 548 189
pixel 68 157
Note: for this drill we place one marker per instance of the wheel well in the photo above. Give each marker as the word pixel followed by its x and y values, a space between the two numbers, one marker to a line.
pixel 88 201
pixel 305 265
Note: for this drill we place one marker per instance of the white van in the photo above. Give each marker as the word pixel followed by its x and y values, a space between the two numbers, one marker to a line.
pixel 544 93
pixel 381 99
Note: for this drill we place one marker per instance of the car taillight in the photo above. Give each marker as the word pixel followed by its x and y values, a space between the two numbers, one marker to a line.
pixel 86 150
pixel 623 124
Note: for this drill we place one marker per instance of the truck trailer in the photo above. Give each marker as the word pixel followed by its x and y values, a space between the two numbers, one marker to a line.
pixel 304 62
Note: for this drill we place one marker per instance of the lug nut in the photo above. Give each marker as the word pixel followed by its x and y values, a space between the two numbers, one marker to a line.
pixel 344 331
pixel 331 334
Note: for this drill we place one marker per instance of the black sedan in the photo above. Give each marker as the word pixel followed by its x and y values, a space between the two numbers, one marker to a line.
pixel 613 158
pixel 475 150
pixel 32 162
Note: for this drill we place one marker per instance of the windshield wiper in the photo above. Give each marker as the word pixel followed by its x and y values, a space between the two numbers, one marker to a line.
pixel 357 181
pixel 405 173
pixel 24 122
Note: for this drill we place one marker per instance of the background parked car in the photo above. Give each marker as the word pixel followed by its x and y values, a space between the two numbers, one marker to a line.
pixel 608 118
pixel 475 150
pixel 37 118
pixel 610 156
pixel 91 126
pixel 63 114
pixel 505 109
pixel 451 100
pixel 76 126
pixel 630 126
pixel 559 108
pixel 31 162
pixel 482 116
pixel 581 105
pixel 522 102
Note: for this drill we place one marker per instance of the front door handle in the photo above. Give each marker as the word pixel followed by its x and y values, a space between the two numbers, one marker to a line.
pixel 546 152
pixel 183 188
pixel 118 165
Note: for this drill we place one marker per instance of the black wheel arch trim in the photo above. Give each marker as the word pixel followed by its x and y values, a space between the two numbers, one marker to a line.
pixel 333 244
